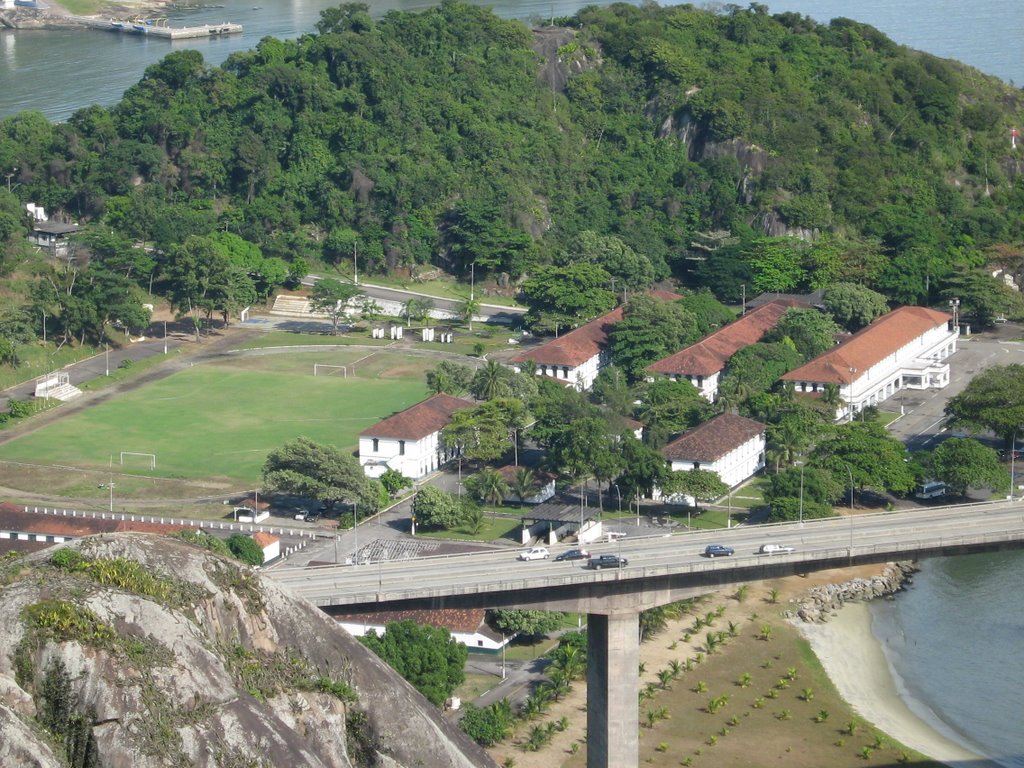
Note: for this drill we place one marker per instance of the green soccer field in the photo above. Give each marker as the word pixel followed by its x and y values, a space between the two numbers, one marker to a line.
pixel 218 421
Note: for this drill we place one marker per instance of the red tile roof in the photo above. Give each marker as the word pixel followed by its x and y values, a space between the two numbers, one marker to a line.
pixel 713 439
pixel 264 539
pixel 578 346
pixel 711 354
pixel 453 619
pixel 422 419
pixel 850 360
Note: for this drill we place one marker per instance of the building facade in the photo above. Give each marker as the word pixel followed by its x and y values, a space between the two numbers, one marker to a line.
pixel 410 441
pixel 702 363
pixel 731 446
pixel 904 349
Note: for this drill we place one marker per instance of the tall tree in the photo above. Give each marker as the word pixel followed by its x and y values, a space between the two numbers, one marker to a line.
pixel 449 378
pixel 331 297
pixel 561 298
pixel 868 454
pixel 427 657
pixel 811 331
pixel 305 468
pixel 994 399
pixel 963 463
pixel 853 306
pixel 649 330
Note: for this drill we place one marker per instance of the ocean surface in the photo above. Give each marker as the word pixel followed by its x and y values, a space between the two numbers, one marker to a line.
pixel 954 638
pixel 57 72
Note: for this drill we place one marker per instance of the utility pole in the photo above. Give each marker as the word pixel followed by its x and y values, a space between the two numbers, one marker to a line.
pixel 355 267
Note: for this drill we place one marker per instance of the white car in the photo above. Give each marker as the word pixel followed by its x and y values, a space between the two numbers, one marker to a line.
pixel 535 553
pixel 775 549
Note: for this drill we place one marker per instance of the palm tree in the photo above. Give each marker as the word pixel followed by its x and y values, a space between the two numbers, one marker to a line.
pixel 832 396
pixel 490 381
pixel 522 484
pixel 490 487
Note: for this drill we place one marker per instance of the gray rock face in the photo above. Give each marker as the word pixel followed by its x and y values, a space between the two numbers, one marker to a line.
pixel 822 602
pixel 225 669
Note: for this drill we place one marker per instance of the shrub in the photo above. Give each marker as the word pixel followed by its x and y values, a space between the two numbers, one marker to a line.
pixel 245 549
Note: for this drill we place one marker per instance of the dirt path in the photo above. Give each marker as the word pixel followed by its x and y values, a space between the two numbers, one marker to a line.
pixel 657 653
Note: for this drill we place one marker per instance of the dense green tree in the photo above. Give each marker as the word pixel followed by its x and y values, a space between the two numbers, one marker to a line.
pixel 870 456
pixel 708 311
pixel 434 508
pixel 245 549
pixel 488 486
pixel 449 378
pixel 429 658
pixel 484 433
pixel 495 380
pixel 818 485
pixel 305 468
pixel 513 621
pixel 853 306
pixel 757 367
pixel 394 481
pixel 698 484
pixel 629 271
pixel 561 298
pixel 810 331
pixel 643 467
pixel 648 331
pixel 477 233
pixel 963 463
pixel 671 406
pixel 783 509
pixel 487 725
pixel 612 390
pixel 982 297
pixel 994 399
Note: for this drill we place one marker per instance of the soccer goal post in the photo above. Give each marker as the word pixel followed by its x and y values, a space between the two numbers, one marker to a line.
pixel 322 369
pixel 150 456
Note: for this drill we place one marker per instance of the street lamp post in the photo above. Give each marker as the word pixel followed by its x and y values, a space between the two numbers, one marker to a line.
pixel 502 655
pixel 355 266
pixel 515 444
pixel 106 357
pixel 1013 455
pixel 850 473
pixel 355 531
pixel 801 495
pixel 619 495
pixel 954 305
pixel 472 280
pixel 165 337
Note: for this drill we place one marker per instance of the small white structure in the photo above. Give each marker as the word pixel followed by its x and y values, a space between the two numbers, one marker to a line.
pixel 56 385
pixel 542 485
pixel 732 446
pixel 270 544
pixel 904 349
pixel 467 626
pixel 410 441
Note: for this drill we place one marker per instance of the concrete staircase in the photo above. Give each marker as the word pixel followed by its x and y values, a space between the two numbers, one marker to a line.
pixel 62 392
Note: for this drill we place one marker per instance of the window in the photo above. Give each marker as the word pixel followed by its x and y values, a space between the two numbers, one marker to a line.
pixel 401 447
pixel 376 445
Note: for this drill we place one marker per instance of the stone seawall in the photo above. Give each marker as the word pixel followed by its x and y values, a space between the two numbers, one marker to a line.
pixel 821 603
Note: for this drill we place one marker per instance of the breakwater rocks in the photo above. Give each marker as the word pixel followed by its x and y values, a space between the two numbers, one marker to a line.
pixel 819 604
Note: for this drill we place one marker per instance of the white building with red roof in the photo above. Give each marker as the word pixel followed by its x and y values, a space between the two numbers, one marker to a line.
pixel 467 625
pixel 702 363
pixel 578 356
pixel 730 445
pixel 269 543
pixel 410 441
pixel 904 349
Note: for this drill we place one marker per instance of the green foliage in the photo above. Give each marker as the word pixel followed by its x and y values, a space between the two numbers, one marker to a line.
pixel 58 714
pixel 63 621
pixel 708 311
pixel 649 330
pixel 449 378
pixel 394 481
pixel 994 399
pixel 120 572
pixel 434 508
pixel 529 623
pixel 700 484
pixel 427 657
pixel 19 409
pixel 331 297
pixel 245 549
pixel 484 433
pixel 853 306
pixel 322 472
pixel 488 486
pixel 562 298
pixel 963 463
pixel 487 725
pixel 868 454
pixel 810 331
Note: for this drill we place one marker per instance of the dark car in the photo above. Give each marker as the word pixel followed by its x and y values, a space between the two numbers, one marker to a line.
pixel 718 550
pixel 607 561
pixel 574 554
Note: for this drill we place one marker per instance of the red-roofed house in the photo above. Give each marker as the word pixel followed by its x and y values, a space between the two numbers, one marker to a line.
pixel 904 349
pixel 577 357
pixel 733 446
pixel 410 441
pixel 467 626
pixel 270 544
pixel 702 363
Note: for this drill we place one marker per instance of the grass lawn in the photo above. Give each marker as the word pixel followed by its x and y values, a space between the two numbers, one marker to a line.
pixel 219 420
pixel 492 529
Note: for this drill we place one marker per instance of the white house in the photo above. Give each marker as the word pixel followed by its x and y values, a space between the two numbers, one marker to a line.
pixel 904 349
pixel 467 626
pixel 53 236
pixel 410 441
pixel 578 356
pixel 732 446
pixel 270 544
pixel 702 363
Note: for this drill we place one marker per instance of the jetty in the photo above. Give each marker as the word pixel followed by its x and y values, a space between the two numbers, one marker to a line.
pixel 158 28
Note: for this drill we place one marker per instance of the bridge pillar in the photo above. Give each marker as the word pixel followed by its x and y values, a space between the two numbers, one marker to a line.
pixel 613 690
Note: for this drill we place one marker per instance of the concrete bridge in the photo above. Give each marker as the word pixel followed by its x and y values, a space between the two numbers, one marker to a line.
pixel 662 569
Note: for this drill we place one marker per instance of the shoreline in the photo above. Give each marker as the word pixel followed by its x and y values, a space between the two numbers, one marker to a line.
pixel 855 661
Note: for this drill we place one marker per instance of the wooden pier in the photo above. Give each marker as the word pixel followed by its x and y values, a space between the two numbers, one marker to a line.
pixel 159 29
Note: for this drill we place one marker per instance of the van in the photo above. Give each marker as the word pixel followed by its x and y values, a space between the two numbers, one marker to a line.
pixel 930 490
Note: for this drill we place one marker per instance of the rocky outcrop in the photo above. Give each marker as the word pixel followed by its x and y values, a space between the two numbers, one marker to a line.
pixel 821 603
pixel 156 653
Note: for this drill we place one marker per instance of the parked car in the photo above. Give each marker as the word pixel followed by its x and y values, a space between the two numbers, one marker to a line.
pixel 535 553
pixel 775 549
pixel 718 550
pixel 573 554
pixel 607 561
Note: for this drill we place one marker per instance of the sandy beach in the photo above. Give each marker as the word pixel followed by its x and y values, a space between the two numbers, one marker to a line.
pixel 854 660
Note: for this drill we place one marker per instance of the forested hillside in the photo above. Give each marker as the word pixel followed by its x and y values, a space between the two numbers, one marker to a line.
pixel 624 146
